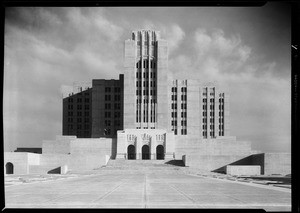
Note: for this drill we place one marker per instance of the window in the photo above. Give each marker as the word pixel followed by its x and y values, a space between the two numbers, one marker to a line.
pixel 107 114
pixel 79 107
pixel 79 126
pixel 107 89
pixel 117 97
pixel 86 120
pixel 118 105
pixel 86 107
pixel 70 113
pixel 107 97
pixel 79 100
pixel 117 123
pixel 86 100
pixel 107 122
pixel 86 113
pixel 106 131
pixel 78 113
pixel 107 106
pixel 117 89
pixel 117 114
pixel 174 106
pixel 175 131
pixel 79 120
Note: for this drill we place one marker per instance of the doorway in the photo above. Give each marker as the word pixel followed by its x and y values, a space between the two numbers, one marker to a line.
pixel 9 168
pixel 160 152
pixel 131 152
pixel 145 152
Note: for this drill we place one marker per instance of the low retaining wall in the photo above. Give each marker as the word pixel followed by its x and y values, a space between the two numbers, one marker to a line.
pixel 242 170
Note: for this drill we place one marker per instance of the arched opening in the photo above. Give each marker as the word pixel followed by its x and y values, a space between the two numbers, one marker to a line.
pixel 145 152
pixel 160 155
pixel 131 152
pixel 9 168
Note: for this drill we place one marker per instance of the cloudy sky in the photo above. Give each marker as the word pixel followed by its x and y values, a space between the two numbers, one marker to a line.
pixel 245 49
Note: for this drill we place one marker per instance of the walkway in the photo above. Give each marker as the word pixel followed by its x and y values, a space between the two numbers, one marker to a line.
pixel 142 188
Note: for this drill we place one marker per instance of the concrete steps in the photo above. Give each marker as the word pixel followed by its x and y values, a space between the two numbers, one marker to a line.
pixel 140 164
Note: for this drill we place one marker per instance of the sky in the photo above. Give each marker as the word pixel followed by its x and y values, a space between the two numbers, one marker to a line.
pixel 245 50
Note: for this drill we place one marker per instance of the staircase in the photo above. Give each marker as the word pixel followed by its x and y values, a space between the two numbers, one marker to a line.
pixel 144 165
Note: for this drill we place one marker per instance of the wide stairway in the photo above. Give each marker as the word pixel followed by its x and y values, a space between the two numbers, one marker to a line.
pixel 143 165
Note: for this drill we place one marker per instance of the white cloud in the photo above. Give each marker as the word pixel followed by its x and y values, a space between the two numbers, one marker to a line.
pixel 175 37
pixel 173 33
pixel 203 41
pixel 229 52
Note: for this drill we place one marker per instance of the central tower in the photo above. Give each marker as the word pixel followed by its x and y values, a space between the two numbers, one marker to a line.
pixel 145 81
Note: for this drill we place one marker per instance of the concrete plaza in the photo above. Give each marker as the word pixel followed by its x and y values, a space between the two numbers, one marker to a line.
pixel 145 188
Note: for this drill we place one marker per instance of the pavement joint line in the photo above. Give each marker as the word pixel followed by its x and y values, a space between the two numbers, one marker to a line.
pixel 108 193
pixel 145 192
pixel 248 184
pixel 182 193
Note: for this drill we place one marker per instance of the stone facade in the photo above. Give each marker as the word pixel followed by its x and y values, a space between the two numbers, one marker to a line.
pixel 153 139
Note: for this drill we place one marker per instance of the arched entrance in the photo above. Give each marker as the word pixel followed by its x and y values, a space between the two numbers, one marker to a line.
pixel 160 155
pixel 145 152
pixel 131 152
pixel 9 168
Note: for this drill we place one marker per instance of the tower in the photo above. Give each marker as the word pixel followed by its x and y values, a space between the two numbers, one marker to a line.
pixel 145 81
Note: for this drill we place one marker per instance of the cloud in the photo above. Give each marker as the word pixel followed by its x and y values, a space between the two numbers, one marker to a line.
pixel 173 33
pixel 38 61
pixel 175 37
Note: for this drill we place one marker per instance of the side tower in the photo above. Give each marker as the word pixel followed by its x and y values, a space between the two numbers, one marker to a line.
pixel 215 112
pixel 145 81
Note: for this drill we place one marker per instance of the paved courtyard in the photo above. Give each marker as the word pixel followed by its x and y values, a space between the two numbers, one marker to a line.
pixel 145 189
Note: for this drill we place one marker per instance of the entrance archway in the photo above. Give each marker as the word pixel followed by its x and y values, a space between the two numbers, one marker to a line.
pixel 131 152
pixel 145 152
pixel 9 168
pixel 160 155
